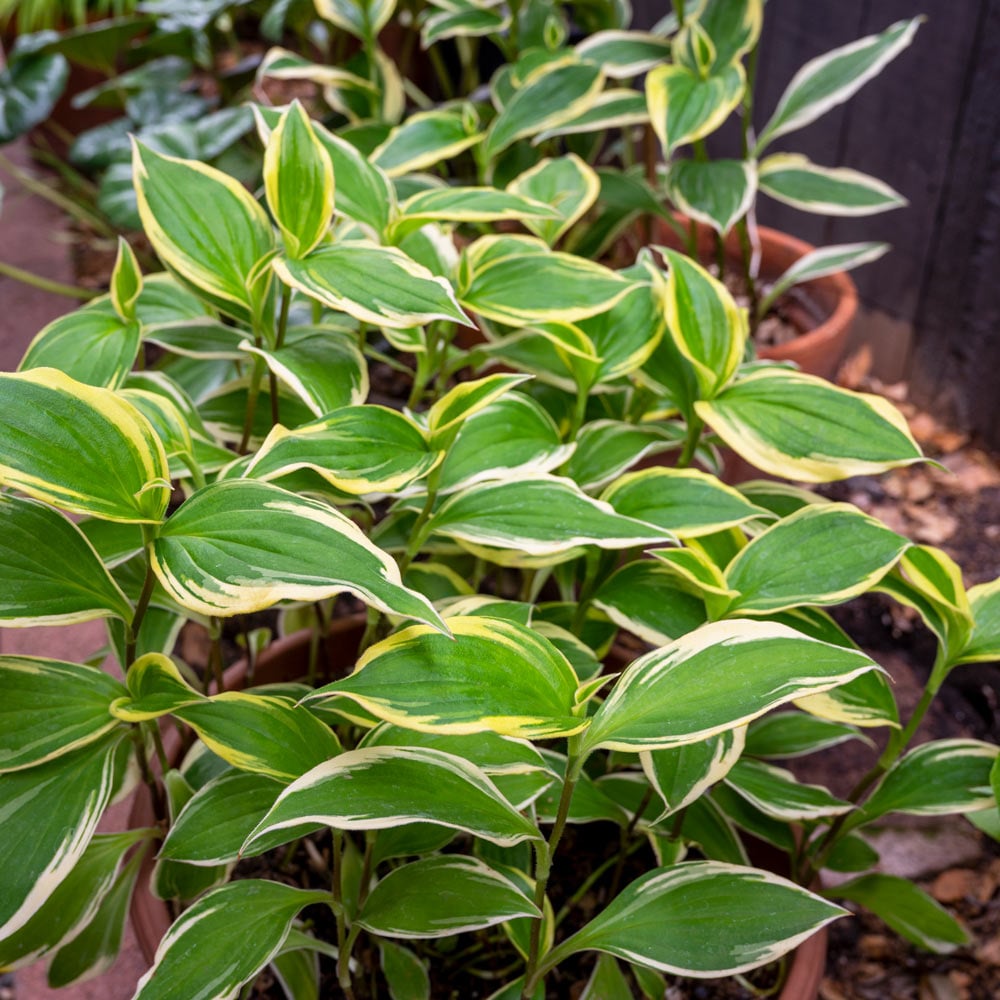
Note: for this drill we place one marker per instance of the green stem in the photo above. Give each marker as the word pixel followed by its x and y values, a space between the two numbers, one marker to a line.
pixel 899 740
pixel 155 789
pixel 544 852
pixel 337 891
pixel 591 880
pixel 142 605
pixel 592 561
pixel 441 72
pixel 695 426
pixel 679 11
pixel 259 367
pixel 626 836
pixel 45 284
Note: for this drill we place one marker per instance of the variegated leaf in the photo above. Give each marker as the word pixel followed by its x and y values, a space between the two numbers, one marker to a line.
pixel 795 425
pixel 794 734
pixel 746 667
pixel 224 940
pixel 437 897
pixel 384 787
pixel 93 345
pixel 540 516
pixel 984 643
pixel 357 449
pixel 229 550
pixel 624 54
pixel 682 774
pixel 756 917
pixel 427 138
pixel 685 502
pixel 298 182
pixel 777 793
pixel 378 285
pixel 204 226
pixel 493 675
pixel 467 204
pixel 716 192
pixel 50 708
pixel 797 181
pixel 606 448
pixel 49 571
pixel 830 79
pixel 684 107
pixel 567 184
pixel 822 554
pixel 60 438
pixel 50 812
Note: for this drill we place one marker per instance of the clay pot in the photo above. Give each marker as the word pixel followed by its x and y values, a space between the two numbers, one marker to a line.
pixel 287 659
pixel 284 660
pixel 820 345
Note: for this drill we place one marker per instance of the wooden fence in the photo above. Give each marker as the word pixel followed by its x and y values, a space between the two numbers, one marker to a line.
pixel 929 125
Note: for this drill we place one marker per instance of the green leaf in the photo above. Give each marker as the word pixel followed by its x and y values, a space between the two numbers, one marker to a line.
pixel 49 572
pixel 378 285
pixel 822 554
pixel 30 85
pixel 463 22
pixel 830 79
pixel 606 448
pixel 493 675
pixel 437 897
pixel 540 516
pixel 552 95
pixel 60 439
pixel 224 940
pixel 732 25
pixel 984 643
pixel 516 280
pixel 617 107
pixel 467 204
pixel 607 982
pixel 229 550
pixel 511 436
pixel 261 734
pixel 707 326
pixel 51 708
pixel 685 502
pixel 364 193
pixel 682 774
pixel 796 734
pixel 216 821
pixel 645 598
pixel 362 18
pixel 852 854
pixel 747 667
pixel 298 181
pixel 51 812
pixel 204 226
pixel 126 282
pixel 74 902
pixel 683 107
pixel 357 449
pixel 801 427
pixel 777 793
pixel 716 192
pixel 930 581
pixel 567 184
pixel 797 181
pixel 426 139
pixel 323 367
pixel 755 918
pixel 624 54
pixel 907 909
pixel 92 345
pixel 93 951
pixel 752 820
pixel 820 262
pixel 201 339
pixel 384 787
pixel 935 779
pixel 463 400
pixel 706 825
pixel 297 970
pixel 405 974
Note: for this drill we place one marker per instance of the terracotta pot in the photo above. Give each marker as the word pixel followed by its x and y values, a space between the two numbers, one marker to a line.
pixel 820 345
pixel 286 659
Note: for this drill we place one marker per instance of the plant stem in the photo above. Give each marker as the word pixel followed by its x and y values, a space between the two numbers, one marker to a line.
pixel 626 836
pixel 142 605
pixel 336 889
pixel 45 284
pixel 155 791
pixel 259 367
pixel 544 852
pixel 695 427
pixel 898 742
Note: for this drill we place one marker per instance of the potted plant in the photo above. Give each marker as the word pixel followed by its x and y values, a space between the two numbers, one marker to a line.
pixel 495 534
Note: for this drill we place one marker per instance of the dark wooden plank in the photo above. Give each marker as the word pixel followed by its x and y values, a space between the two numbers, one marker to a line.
pixel 957 340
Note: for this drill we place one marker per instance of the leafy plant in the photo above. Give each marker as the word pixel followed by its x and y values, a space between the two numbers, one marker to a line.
pixel 213 432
